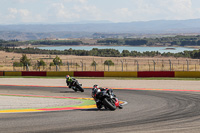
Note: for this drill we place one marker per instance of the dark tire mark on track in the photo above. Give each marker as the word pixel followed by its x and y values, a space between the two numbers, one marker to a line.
pixel 148 111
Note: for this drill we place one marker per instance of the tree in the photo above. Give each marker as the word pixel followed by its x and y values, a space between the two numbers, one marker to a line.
pixel 51 64
pixel 57 61
pixel 24 60
pixel 125 53
pixel 41 63
pixel 109 62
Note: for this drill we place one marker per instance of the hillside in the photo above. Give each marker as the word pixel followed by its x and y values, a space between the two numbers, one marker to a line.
pixel 87 30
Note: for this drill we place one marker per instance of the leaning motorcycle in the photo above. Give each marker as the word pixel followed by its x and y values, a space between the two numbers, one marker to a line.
pixel 108 100
pixel 76 86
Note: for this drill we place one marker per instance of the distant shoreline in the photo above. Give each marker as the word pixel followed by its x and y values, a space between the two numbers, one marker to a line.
pixel 169 47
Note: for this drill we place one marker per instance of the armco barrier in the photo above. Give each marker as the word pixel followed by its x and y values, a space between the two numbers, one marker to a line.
pixel 59 74
pixel 156 74
pixel 1 73
pixel 12 73
pixel 120 74
pixel 88 74
pixel 187 74
pixel 33 73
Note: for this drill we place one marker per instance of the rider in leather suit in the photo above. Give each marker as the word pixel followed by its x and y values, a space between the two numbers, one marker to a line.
pixel 95 91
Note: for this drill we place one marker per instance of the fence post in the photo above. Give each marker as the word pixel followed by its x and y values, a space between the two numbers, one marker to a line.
pixel 38 65
pixel 122 65
pixel 187 65
pixel 82 64
pixel 170 64
pixel 27 68
pixel 95 66
pixel 149 68
pixel 195 67
pixel 108 66
pixel 57 68
pixel 68 66
pixel 137 65
pixel 154 64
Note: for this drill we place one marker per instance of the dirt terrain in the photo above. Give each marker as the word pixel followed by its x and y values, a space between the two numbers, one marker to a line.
pixel 83 63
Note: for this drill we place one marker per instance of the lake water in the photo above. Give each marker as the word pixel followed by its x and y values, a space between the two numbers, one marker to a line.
pixel 121 48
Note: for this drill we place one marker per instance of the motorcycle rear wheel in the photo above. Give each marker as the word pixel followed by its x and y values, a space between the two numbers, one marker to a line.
pixel 80 88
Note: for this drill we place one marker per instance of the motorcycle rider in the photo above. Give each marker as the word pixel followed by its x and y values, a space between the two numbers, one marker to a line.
pixel 95 91
pixel 70 81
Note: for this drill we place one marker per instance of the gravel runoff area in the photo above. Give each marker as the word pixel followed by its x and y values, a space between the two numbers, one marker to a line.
pixel 16 102
pixel 110 83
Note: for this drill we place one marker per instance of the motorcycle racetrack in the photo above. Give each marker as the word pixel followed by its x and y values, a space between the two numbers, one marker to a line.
pixel 148 110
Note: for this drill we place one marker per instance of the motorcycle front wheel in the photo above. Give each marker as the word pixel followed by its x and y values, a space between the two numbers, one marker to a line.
pixel 109 103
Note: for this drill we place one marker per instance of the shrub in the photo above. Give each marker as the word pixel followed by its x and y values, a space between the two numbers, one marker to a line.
pixel 17 64
pixel 109 62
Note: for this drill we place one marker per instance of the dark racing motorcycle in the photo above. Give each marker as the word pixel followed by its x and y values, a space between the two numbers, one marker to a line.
pixel 76 86
pixel 107 99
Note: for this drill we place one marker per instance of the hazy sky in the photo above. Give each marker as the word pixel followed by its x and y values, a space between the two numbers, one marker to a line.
pixel 56 11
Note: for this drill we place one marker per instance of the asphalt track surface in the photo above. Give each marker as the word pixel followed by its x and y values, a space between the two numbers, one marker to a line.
pixel 146 112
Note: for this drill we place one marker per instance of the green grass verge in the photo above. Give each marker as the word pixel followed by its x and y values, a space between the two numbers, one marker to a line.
pixel 105 78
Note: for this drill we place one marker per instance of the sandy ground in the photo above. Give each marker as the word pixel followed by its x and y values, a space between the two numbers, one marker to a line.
pixel 110 83
pixel 83 63
pixel 14 102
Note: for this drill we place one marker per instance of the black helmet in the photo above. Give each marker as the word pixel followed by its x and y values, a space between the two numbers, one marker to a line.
pixel 95 86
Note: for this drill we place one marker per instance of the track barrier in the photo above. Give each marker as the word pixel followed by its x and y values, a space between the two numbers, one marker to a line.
pixel 59 74
pixel 156 74
pixel 89 74
pixel 33 73
pixel 120 74
pixel 12 73
pixel 1 73
pixel 187 74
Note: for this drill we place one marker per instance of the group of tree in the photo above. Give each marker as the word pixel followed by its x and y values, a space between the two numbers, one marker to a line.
pixel 102 53
pixel 176 40
pixel 161 41
pixel 24 62
pixel 56 42
pixel 16 43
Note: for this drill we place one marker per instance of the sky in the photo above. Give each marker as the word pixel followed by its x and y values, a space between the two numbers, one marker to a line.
pixel 69 11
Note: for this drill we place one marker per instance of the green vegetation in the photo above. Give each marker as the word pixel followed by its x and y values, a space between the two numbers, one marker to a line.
pixel 41 63
pixel 56 42
pixel 109 62
pixel 57 61
pixel 169 41
pixel 15 43
pixel 9 46
pixel 195 54
pixel 17 64
pixel 24 60
pixel 162 41
pixel 94 63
